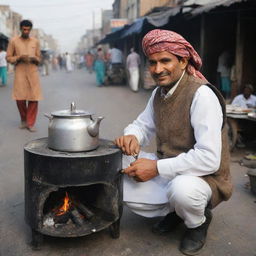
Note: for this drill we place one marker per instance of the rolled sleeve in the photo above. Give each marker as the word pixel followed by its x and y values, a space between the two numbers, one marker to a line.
pixel 144 126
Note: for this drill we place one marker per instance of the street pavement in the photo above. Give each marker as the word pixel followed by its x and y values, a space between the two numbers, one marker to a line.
pixel 233 229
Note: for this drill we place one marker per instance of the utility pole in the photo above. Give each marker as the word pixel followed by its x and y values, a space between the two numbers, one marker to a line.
pixel 93 20
pixel 93 26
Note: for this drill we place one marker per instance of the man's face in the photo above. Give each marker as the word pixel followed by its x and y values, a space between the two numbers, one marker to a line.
pixel 247 92
pixel 25 31
pixel 166 68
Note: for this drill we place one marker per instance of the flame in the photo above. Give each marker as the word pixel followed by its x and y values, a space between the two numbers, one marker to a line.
pixel 65 207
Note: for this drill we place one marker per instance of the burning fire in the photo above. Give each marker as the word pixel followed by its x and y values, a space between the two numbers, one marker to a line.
pixel 65 207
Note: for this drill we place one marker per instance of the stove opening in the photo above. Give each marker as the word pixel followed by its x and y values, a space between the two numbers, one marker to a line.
pixel 82 209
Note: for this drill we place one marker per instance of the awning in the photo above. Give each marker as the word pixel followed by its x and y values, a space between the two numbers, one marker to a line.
pixel 113 36
pixel 163 15
pixel 156 19
pixel 3 37
pixel 161 18
pixel 134 28
pixel 210 6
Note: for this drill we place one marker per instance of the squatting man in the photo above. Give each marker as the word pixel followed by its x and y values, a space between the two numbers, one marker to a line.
pixel 190 173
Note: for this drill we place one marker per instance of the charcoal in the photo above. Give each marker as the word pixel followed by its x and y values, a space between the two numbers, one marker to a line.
pixel 61 219
pixel 76 217
pixel 84 210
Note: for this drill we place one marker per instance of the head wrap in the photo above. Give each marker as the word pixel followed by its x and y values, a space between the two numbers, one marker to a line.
pixel 159 40
pixel 249 86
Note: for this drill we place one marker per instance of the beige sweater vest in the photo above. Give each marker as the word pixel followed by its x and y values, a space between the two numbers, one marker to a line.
pixel 175 135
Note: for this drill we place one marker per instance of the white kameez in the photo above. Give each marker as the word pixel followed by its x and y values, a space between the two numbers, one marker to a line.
pixel 69 63
pixel 203 159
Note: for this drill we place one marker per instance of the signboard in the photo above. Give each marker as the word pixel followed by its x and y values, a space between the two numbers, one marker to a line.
pixel 116 24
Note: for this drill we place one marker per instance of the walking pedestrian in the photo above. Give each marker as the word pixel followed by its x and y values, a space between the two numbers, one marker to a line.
pixel 116 69
pixel 60 61
pixel 190 173
pixel 132 64
pixel 24 52
pixel 89 60
pixel 3 66
pixel 45 59
pixel 68 59
pixel 100 68
pixel 116 56
pixel 55 63
pixel 224 71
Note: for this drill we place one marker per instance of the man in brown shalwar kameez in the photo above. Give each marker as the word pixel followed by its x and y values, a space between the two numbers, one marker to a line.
pixel 24 52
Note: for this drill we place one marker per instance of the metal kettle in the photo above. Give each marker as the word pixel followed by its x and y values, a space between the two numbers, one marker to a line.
pixel 73 130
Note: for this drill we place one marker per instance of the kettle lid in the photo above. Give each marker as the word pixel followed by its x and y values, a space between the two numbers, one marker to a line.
pixel 72 112
pixel 68 113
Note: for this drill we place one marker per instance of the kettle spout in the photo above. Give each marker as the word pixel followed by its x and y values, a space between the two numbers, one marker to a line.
pixel 93 129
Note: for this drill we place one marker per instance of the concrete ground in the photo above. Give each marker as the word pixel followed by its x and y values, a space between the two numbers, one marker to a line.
pixel 233 229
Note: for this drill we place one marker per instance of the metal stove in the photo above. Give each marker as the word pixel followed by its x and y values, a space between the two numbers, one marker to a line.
pixel 88 182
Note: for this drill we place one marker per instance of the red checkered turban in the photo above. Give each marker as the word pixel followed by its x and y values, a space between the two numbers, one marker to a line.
pixel 159 40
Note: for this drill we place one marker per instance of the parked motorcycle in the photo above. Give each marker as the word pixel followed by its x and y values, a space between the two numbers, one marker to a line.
pixel 115 74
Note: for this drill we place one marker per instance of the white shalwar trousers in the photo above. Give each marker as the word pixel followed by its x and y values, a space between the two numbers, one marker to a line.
pixel 187 195
pixel 134 78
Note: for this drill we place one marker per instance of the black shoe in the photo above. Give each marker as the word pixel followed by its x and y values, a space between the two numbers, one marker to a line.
pixel 194 238
pixel 167 224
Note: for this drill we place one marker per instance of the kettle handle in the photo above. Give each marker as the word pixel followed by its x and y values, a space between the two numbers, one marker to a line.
pixel 50 117
pixel 72 107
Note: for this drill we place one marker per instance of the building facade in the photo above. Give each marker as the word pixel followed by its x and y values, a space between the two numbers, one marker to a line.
pixel 10 27
pixel 6 20
pixel 9 24
pixel 106 16
pixel 133 9
pixel 47 42
pixel 120 9
pixel 16 19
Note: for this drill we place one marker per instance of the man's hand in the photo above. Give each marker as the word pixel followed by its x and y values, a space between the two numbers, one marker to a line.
pixel 24 58
pixel 128 144
pixel 33 60
pixel 142 169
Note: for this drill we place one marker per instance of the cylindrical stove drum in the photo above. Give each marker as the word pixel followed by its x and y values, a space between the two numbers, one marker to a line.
pixel 91 180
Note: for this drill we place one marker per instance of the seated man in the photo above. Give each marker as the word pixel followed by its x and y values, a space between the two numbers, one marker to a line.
pixel 245 129
pixel 246 99
pixel 190 174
